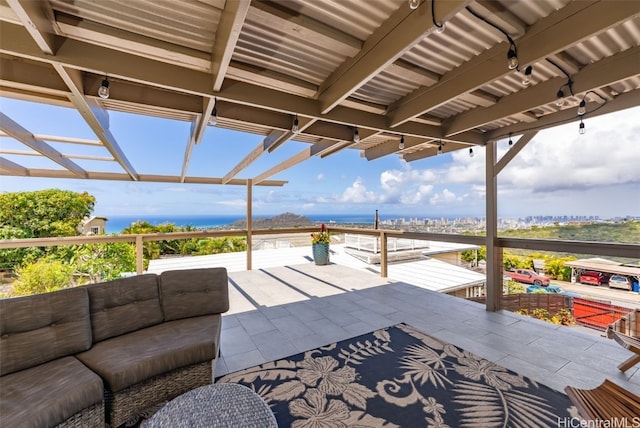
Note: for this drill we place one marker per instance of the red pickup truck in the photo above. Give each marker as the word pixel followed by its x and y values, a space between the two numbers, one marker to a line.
pixel 527 276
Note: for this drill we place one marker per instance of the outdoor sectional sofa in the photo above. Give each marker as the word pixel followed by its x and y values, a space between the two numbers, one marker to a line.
pixel 102 353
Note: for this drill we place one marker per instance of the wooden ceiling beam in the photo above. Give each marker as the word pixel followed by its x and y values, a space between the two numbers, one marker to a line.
pixel 37 18
pixel 403 30
pixel 619 102
pixel 604 72
pixel 96 117
pixel 186 82
pixel 227 36
pixel 573 23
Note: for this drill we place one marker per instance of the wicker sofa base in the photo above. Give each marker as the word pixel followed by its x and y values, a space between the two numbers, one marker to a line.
pixel 90 417
pixel 123 405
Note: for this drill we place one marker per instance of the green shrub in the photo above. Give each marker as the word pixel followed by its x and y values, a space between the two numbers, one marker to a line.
pixel 43 276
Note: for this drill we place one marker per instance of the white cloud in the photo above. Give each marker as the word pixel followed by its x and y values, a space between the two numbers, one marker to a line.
pixel 445 197
pixel 357 193
pixel 241 203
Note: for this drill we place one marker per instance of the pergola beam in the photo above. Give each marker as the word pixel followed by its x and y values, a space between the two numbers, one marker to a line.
pixel 198 126
pixel 13 129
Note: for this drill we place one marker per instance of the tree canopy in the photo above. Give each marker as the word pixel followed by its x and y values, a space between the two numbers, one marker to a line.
pixel 45 213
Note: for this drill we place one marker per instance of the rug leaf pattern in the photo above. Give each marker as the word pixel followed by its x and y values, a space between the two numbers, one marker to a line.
pixel 399 377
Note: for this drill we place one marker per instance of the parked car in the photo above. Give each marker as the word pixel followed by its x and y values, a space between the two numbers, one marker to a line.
pixel 552 288
pixel 619 281
pixel 527 276
pixel 593 278
pixel 536 289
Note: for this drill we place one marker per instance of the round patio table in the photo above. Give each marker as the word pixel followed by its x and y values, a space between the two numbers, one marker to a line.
pixel 217 405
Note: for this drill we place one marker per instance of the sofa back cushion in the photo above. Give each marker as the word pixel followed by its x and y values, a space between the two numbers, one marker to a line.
pixel 40 328
pixel 124 305
pixel 194 292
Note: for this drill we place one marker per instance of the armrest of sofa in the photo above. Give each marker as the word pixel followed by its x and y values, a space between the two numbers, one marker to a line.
pixel 194 292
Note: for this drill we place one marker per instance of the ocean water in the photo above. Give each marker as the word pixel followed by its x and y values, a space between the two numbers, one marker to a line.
pixel 118 223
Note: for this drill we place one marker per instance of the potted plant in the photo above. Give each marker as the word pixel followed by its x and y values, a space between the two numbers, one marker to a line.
pixel 320 246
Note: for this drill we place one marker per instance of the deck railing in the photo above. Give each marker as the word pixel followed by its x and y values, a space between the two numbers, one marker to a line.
pixel 575 247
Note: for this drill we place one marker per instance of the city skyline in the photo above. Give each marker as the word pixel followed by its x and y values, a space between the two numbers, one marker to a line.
pixel 560 172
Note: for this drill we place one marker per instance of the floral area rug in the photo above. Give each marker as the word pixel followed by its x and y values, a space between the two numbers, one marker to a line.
pixel 400 377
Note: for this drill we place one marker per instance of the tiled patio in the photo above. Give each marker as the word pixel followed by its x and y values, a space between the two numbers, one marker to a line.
pixel 280 311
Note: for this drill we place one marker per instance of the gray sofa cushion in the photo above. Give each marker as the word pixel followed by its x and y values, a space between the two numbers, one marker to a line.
pixel 124 305
pixel 48 394
pixel 194 292
pixel 129 359
pixel 40 328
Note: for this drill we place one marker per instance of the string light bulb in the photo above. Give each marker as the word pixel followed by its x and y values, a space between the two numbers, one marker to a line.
pixel 439 25
pixel 103 91
pixel 356 135
pixel 560 98
pixel 581 128
pixel 401 145
pixel 510 140
pixel 440 148
pixel 471 154
pixel 413 4
pixel 582 108
pixel 512 58
pixel 526 80
pixel 214 117
pixel 295 126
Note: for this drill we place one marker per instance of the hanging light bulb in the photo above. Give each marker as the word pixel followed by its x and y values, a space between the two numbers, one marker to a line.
pixel 512 59
pixel 439 25
pixel 526 80
pixel 356 135
pixel 413 4
pixel 581 128
pixel 103 91
pixel 401 145
pixel 295 126
pixel 510 141
pixel 582 108
pixel 440 148
pixel 471 152
pixel 214 117
pixel 560 100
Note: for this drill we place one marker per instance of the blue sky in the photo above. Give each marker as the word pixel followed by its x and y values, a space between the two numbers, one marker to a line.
pixel 559 173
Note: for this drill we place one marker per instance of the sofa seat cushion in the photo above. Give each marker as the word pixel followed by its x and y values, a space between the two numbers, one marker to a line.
pixel 48 394
pixel 134 357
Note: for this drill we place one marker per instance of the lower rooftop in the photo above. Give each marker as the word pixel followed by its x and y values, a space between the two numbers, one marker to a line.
pixel 279 311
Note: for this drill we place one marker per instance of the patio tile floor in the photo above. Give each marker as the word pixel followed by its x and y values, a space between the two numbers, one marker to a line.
pixel 280 311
